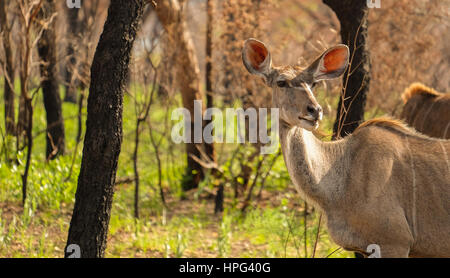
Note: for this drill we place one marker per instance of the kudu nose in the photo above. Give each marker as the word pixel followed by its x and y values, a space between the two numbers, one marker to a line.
pixel 315 111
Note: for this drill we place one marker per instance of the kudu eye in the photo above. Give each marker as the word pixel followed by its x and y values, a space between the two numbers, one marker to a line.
pixel 282 83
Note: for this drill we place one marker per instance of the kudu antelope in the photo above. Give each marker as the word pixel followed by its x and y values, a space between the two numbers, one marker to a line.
pixel 427 111
pixel 384 184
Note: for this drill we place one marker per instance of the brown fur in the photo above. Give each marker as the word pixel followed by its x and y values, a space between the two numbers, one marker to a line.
pixel 392 124
pixel 427 111
pixel 384 122
pixel 418 89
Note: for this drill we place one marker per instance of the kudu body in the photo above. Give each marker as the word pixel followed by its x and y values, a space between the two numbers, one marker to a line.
pixel 384 184
pixel 427 111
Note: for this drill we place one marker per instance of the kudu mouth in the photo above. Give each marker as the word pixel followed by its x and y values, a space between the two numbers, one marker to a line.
pixel 313 116
pixel 309 125
pixel 308 122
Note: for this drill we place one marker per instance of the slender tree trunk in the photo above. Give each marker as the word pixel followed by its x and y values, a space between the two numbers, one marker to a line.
pixel 188 74
pixel 218 201
pixel 229 38
pixel 352 15
pixel 72 25
pixel 136 169
pixel 28 132
pixel 209 148
pixel 25 105
pixel 49 84
pixel 8 96
pixel 102 143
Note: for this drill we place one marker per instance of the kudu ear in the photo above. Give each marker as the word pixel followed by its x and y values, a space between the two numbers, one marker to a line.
pixel 331 64
pixel 257 58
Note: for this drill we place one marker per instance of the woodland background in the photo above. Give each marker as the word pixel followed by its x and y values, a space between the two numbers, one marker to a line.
pixel 236 202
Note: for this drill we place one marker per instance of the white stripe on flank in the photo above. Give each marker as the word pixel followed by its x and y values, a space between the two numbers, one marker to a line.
pixel 446 156
pixel 413 170
pixel 445 131
pixel 426 115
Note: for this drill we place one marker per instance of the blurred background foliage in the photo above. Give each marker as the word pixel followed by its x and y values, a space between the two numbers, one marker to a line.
pixel 408 42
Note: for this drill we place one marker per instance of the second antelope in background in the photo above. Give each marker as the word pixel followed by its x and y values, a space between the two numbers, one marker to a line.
pixel 427 111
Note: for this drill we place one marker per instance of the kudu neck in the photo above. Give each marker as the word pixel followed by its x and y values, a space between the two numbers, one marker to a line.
pixel 311 162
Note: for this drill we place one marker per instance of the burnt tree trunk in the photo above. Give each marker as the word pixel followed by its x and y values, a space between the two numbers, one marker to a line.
pixel 50 88
pixel 102 143
pixel 72 25
pixel 171 17
pixel 209 148
pixel 8 96
pixel 352 15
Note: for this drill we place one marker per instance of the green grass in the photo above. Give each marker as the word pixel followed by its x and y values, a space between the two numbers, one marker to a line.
pixel 187 229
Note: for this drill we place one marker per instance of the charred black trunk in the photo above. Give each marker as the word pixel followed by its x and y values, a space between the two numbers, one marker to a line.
pixel 352 15
pixel 8 96
pixel 50 88
pixel 102 143
pixel 209 148
pixel 73 29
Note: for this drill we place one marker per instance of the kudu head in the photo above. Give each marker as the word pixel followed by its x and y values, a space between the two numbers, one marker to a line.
pixel 292 87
